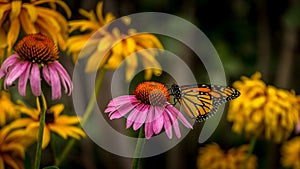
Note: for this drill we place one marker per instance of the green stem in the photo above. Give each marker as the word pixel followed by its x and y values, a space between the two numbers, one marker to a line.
pixel 38 153
pixel 86 116
pixel 250 151
pixel 138 149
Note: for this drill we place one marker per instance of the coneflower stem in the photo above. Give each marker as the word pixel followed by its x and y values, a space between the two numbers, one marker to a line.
pixel 43 105
pixel 250 151
pixel 138 149
pixel 86 115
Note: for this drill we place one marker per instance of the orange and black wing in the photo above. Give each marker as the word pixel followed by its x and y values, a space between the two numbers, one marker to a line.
pixel 202 101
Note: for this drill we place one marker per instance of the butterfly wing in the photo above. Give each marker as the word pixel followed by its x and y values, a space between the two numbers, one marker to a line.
pixel 202 101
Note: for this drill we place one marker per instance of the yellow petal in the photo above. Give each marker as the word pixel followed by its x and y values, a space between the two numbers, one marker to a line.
pixel 15 148
pixel 67 120
pixel 59 2
pixel 3 10
pixel 1 162
pixel 88 14
pixel 32 12
pixel 99 10
pixel 11 162
pixel 27 24
pixel 131 66
pixel 46 137
pixel 57 109
pixel 58 17
pixel 15 9
pixel 13 32
pixel 59 130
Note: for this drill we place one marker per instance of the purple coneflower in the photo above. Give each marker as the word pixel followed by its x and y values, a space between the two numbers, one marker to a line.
pixel 150 106
pixel 33 53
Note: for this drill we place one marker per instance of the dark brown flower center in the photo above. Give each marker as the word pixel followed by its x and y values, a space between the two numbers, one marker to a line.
pixel 152 93
pixel 49 118
pixel 37 48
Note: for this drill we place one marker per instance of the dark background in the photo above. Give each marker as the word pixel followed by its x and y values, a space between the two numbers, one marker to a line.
pixel 248 35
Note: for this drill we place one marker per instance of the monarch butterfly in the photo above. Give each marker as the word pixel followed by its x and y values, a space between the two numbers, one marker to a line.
pixel 201 101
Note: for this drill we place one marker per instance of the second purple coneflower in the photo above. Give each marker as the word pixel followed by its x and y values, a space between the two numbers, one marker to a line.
pixel 150 106
pixel 36 58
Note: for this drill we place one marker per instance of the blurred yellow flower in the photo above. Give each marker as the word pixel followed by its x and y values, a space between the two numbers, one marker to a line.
pixel 119 45
pixel 62 125
pixel 13 144
pixel 32 18
pixel 290 152
pixel 264 111
pixel 213 157
pixel 8 109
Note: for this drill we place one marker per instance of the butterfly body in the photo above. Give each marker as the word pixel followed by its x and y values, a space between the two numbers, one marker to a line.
pixel 201 101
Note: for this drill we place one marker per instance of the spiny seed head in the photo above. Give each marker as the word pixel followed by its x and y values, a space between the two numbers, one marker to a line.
pixel 152 93
pixel 37 48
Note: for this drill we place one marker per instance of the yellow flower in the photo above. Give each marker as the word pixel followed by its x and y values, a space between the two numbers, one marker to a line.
pixel 13 144
pixel 62 125
pixel 8 109
pixel 213 157
pixel 290 152
pixel 119 51
pixel 32 18
pixel 264 111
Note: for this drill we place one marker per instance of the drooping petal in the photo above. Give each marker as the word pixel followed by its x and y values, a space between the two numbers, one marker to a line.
pixel 55 83
pixel 122 111
pixel 35 80
pixel 167 125
pixel 23 80
pixel 141 117
pixel 158 120
pixel 46 75
pixel 174 123
pixel 149 125
pixel 178 114
pixel 121 100
pixel 15 72
pixel 65 78
pixel 11 60
pixel 133 114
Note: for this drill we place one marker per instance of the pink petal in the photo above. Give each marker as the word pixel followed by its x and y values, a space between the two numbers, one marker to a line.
pixel 110 109
pixel 46 75
pixel 55 83
pixel 122 111
pixel 11 60
pixel 132 116
pixel 65 78
pixel 23 80
pixel 15 72
pixel 35 80
pixel 167 125
pixel 174 123
pixel 159 120
pixel 122 99
pixel 178 114
pixel 149 125
pixel 141 117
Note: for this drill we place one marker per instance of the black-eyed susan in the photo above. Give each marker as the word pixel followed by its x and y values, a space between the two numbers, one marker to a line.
pixel 8 109
pixel 36 53
pixel 117 52
pixel 262 110
pixel 13 144
pixel 290 153
pixel 150 106
pixel 55 121
pixel 213 157
pixel 30 17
